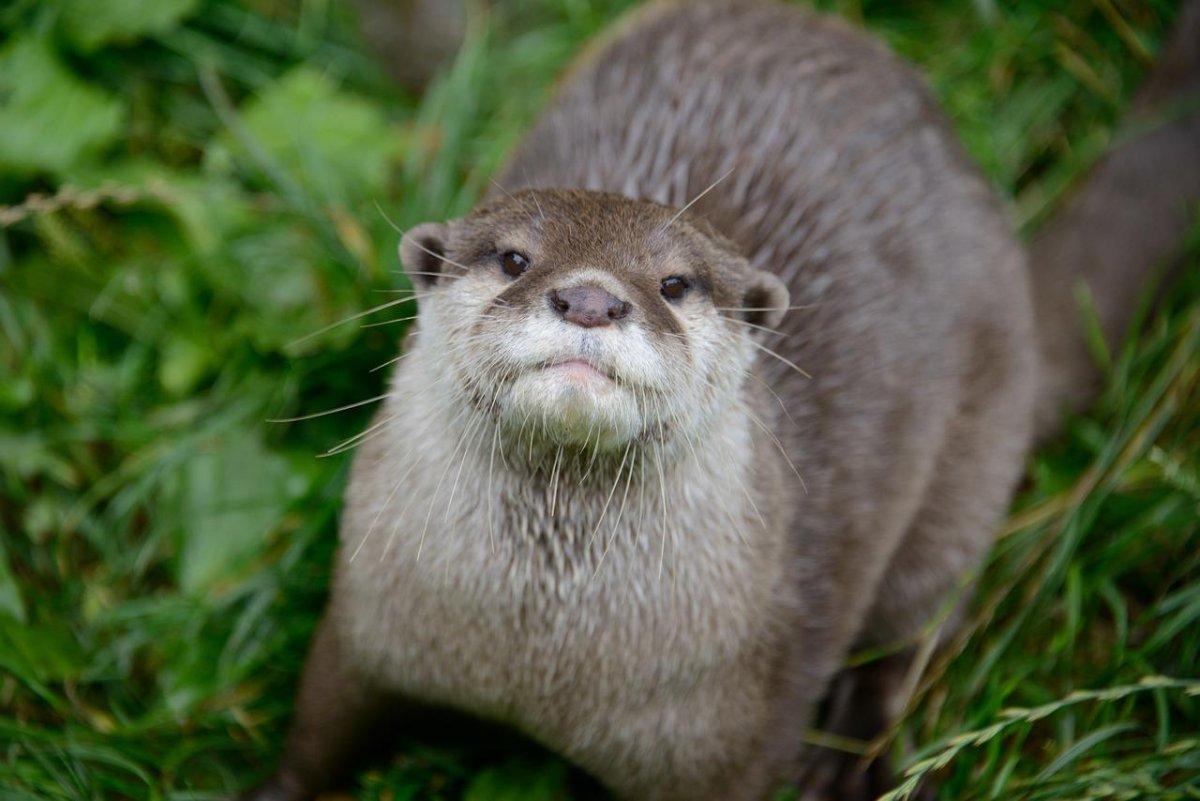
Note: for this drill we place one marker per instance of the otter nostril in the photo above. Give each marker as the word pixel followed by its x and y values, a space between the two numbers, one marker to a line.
pixel 559 303
pixel 618 310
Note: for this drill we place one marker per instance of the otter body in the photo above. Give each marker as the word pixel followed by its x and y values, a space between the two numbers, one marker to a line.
pixel 624 606
pixel 617 497
pixel 563 623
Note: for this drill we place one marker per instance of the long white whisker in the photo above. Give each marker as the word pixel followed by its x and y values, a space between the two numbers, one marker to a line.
pixel 328 411
pixel 691 202
pixel 786 361
pixel 345 320
pixel 441 256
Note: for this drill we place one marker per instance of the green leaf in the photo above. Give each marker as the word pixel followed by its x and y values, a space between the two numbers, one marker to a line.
pixel 46 652
pixel 231 496
pixel 208 207
pixel 1077 750
pixel 89 24
pixel 183 364
pixel 335 145
pixel 49 119
pixel 10 594
pixel 519 780
pixel 274 271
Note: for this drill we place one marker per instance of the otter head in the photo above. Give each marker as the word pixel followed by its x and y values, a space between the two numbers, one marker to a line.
pixel 588 319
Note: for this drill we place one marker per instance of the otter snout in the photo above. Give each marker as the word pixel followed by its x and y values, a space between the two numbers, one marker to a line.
pixel 587 306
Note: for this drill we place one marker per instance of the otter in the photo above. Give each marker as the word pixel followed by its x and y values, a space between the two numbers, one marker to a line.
pixel 736 370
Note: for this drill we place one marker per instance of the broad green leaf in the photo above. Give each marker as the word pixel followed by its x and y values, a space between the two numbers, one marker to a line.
pixel 231 495
pixel 49 119
pixel 335 145
pixel 89 24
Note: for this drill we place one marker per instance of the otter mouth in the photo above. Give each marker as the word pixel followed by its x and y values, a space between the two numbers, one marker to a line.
pixel 578 368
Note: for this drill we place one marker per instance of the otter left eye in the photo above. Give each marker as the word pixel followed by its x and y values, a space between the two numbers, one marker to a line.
pixel 675 287
pixel 513 264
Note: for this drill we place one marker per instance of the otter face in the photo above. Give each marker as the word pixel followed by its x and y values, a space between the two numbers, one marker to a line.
pixel 586 318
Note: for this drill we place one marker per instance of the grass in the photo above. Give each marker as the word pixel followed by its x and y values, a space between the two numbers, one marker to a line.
pixel 191 188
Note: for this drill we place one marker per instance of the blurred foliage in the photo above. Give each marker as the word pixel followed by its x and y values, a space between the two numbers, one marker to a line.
pixel 192 195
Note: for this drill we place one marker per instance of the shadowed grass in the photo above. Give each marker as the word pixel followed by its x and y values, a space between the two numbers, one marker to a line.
pixel 190 191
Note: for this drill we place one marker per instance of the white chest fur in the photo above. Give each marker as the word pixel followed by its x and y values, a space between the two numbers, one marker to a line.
pixel 573 615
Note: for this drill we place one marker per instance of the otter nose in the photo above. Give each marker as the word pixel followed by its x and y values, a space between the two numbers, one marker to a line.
pixel 587 306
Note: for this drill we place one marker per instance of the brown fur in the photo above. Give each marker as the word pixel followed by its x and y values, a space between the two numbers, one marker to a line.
pixel 1094 242
pixel 413 39
pixel 636 577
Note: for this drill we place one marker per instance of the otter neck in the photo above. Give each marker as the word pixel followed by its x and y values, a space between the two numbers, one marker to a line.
pixel 568 507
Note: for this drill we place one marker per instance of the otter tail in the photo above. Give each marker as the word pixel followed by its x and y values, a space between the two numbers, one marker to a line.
pixel 1127 220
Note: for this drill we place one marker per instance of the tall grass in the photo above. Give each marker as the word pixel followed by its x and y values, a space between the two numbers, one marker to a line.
pixel 191 188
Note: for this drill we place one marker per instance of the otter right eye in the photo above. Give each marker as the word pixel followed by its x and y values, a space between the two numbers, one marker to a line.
pixel 513 263
pixel 675 287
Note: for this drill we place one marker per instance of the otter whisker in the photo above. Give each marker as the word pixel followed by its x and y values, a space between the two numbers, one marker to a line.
pixel 383 507
pixel 463 438
pixel 787 412
pixel 617 522
pixel 441 256
pixel 327 411
pixel 412 294
pixel 554 481
pixel 344 320
pixel 357 439
pixel 400 516
pixel 607 500
pixel 386 218
pixel 475 425
pixel 691 202
pixel 492 490
pixel 662 489
pixel 756 326
pixel 439 276
pixel 536 202
pixel 389 362
pixel 764 308
pixel 783 359
pixel 393 321
pixel 754 419
pixel 541 216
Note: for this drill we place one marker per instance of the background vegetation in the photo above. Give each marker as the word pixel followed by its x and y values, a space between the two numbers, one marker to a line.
pixel 191 197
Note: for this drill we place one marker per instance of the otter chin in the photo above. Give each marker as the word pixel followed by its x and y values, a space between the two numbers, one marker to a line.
pixel 573 402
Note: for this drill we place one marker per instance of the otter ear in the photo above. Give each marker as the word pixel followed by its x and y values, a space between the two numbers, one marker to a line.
pixel 422 252
pixel 765 300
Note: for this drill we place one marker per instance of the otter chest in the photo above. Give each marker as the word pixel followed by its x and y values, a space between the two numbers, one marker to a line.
pixel 540 635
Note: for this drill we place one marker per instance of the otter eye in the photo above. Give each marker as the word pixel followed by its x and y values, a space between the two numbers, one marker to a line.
pixel 675 287
pixel 513 263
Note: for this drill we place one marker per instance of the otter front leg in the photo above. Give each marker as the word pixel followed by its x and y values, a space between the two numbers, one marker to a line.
pixel 860 706
pixel 736 736
pixel 336 708
pixel 757 768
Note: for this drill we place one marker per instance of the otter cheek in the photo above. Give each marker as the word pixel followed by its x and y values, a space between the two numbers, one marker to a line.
pixel 571 411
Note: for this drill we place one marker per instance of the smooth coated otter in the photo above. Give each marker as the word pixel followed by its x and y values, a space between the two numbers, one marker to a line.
pixel 619 499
